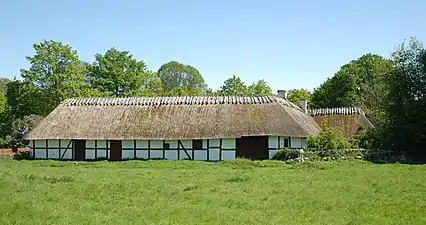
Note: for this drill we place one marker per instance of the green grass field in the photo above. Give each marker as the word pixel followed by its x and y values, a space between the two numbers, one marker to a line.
pixel 234 192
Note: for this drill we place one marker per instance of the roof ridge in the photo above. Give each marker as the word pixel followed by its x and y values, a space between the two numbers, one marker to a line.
pixel 336 111
pixel 172 100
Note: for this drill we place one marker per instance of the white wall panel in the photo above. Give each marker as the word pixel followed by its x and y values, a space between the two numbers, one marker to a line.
pixel 40 153
pixel 182 154
pixel 53 153
pixel 228 155
pixel 200 155
pixel 127 144
pixel 142 144
pixel 157 144
pixel 66 143
pixel 304 143
pixel 40 143
pixel 296 142
pixel 90 143
pixel 101 154
pixel 53 143
pixel 142 154
pixel 102 144
pixel 171 154
pixel 156 154
pixel 90 154
pixel 187 144
pixel 214 154
pixel 212 143
pixel 228 143
pixel 273 142
pixel 127 154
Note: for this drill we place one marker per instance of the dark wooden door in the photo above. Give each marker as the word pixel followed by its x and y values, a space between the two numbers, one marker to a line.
pixel 115 150
pixel 254 148
pixel 80 150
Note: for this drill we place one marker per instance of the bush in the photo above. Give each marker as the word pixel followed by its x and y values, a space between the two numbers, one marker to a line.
pixel 328 138
pixel 286 154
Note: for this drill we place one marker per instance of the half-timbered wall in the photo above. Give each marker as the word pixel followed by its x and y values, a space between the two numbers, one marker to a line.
pixel 210 150
pixel 276 143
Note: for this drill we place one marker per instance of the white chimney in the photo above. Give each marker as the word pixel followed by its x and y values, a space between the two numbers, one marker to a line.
pixel 282 94
pixel 304 105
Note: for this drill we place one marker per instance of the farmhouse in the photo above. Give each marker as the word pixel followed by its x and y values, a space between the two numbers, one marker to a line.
pixel 194 128
pixel 348 120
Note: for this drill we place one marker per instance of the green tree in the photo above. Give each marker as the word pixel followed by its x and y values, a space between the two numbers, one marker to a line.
pixel 57 70
pixel 294 95
pixel 118 74
pixel 3 84
pixel 358 83
pixel 177 78
pixel 260 88
pixel 405 109
pixel 234 86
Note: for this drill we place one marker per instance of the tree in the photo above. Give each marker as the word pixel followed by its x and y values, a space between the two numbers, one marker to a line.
pixel 260 88
pixel 118 74
pixel 405 109
pixel 234 86
pixel 174 75
pixel 294 95
pixel 358 83
pixel 57 70
pixel 3 84
pixel 24 98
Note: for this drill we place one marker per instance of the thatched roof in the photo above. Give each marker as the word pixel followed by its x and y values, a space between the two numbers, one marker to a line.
pixel 350 120
pixel 166 118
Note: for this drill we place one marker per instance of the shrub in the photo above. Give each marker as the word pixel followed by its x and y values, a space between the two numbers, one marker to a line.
pixel 286 154
pixel 328 138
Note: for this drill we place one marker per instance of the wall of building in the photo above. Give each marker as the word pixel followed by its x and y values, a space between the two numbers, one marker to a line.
pixel 276 143
pixel 212 149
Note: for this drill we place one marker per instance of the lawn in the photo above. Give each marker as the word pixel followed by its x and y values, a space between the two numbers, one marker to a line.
pixel 188 192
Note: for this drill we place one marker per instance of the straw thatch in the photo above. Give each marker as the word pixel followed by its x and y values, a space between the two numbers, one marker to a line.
pixel 165 118
pixel 349 120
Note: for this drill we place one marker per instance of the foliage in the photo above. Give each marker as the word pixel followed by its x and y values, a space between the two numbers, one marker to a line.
pixel 234 86
pixel 286 154
pixel 358 83
pixel 57 70
pixel 179 79
pixel 328 138
pixel 313 193
pixel 3 84
pixel 260 88
pixel 19 128
pixel 295 95
pixel 118 74
pixel 405 109
pixel 3 102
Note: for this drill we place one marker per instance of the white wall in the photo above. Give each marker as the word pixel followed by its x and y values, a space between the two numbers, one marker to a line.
pixel 216 150
pixel 276 143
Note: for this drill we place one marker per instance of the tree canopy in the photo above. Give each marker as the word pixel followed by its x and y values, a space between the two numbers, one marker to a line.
pixel 295 95
pixel 179 79
pixel 116 73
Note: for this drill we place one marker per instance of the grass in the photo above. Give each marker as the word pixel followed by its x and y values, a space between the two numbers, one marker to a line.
pixel 188 192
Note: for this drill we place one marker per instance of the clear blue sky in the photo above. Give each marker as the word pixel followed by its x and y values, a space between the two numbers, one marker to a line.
pixel 291 44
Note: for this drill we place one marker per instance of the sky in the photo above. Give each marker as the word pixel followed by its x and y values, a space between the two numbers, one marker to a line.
pixel 290 44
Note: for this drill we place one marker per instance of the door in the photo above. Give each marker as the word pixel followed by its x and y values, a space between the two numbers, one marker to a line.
pixel 253 147
pixel 115 150
pixel 80 150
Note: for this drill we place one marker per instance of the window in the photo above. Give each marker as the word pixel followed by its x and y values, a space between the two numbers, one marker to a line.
pixel 197 144
pixel 166 146
pixel 286 143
